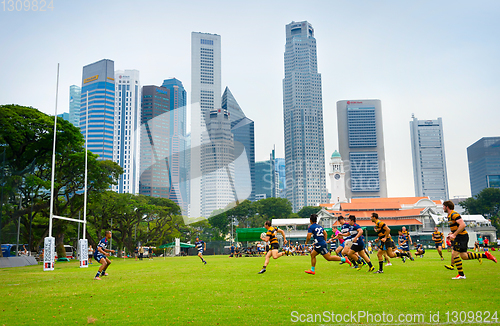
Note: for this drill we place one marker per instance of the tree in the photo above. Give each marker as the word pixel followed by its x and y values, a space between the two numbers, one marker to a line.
pixel 220 221
pixel 486 203
pixel 307 211
pixel 28 134
pixel 274 208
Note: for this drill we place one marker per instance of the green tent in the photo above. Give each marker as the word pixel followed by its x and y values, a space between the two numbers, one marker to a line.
pixel 249 234
pixel 172 245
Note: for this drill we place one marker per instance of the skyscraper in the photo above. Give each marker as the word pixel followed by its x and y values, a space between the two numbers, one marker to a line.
pixel 484 164
pixel 179 165
pixel 98 80
pixel 155 172
pixel 218 163
pixel 75 99
pixel 303 119
pixel 126 144
pixel 244 147
pixel 205 97
pixel 279 165
pixel 361 146
pixel 429 163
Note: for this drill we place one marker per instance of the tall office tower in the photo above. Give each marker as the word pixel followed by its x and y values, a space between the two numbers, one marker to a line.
pixel 98 79
pixel 429 163
pixel 75 99
pixel 65 116
pixel 218 154
pixel 484 164
pixel 303 119
pixel 265 180
pixel 178 159
pixel 127 134
pixel 205 97
pixel 244 147
pixel 155 132
pixel 361 145
pixel 279 165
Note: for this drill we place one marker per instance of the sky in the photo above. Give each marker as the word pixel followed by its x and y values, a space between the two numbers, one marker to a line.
pixel 430 58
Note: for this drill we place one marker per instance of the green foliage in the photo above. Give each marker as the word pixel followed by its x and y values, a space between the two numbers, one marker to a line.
pixel 274 208
pixel 486 203
pixel 307 211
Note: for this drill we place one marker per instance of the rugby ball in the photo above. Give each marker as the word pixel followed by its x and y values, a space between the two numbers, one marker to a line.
pixel 263 235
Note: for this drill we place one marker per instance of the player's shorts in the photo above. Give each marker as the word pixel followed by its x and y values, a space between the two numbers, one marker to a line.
pixel 358 246
pixel 439 244
pixel 98 256
pixel 404 248
pixel 267 248
pixel 389 243
pixel 320 248
pixel 348 243
pixel 275 246
pixel 460 243
pixel 200 251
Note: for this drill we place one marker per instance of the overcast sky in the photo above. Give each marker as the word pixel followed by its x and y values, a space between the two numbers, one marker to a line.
pixel 431 58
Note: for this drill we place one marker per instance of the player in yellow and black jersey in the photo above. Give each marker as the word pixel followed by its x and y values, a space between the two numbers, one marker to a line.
pixel 386 243
pixel 438 238
pixel 459 240
pixel 271 237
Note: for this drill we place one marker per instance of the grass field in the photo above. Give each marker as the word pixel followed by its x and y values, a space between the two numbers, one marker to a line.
pixel 228 291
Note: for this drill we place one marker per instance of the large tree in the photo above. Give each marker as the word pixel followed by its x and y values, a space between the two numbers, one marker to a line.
pixel 486 203
pixel 306 211
pixel 28 135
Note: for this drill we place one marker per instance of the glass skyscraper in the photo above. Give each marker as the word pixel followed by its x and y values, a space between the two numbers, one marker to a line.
pixel 126 145
pixel 98 79
pixel 244 146
pixel 429 162
pixel 179 164
pixel 155 171
pixel 361 143
pixel 484 164
pixel 75 93
pixel 303 119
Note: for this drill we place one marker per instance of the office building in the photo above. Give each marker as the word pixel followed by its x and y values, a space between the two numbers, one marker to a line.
pixel 244 147
pixel 98 81
pixel 279 165
pixel 429 162
pixel 484 164
pixel 65 116
pixel 126 145
pixel 155 171
pixel 178 160
pixel 303 119
pixel 75 99
pixel 361 146
pixel 205 97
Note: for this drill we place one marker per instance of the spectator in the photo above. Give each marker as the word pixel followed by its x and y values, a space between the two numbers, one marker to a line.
pixel 232 251
pixel 480 242
pixel 25 252
pixel 141 252
pixel 486 241
pixel 151 252
pixel 91 253
pixel 136 252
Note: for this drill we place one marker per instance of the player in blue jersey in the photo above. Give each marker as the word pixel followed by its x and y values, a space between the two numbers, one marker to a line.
pixel 101 255
pixel 358 245
pixel 319 245
pixel 345 237
pixel 201 246
pixel 403 245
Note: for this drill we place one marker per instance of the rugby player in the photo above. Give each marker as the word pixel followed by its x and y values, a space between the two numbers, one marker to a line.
pixel 101 255
pixel 386 243
pixel 201 246
pixel 358 246
pixel 319 234
pixel 274 245
pixel 459 239
pixel 438 238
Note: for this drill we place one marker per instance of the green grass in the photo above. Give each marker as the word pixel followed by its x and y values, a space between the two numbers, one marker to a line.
pixel 228 291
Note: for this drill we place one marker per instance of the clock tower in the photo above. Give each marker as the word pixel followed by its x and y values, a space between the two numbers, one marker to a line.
pixel 337 179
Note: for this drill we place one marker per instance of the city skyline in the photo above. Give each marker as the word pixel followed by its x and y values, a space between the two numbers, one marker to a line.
pixel 442 56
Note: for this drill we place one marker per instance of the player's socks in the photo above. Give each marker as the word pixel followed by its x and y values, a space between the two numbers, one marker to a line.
pixel 97 275
pixel 381 265
pixel 313 268
pixel 458 263
pixel 370 264
pixel 474 255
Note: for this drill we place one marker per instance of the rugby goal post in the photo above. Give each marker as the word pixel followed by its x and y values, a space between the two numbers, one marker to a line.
pixel 49 242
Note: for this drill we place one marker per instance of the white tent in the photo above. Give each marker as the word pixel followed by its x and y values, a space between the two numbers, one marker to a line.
pixel 289 221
